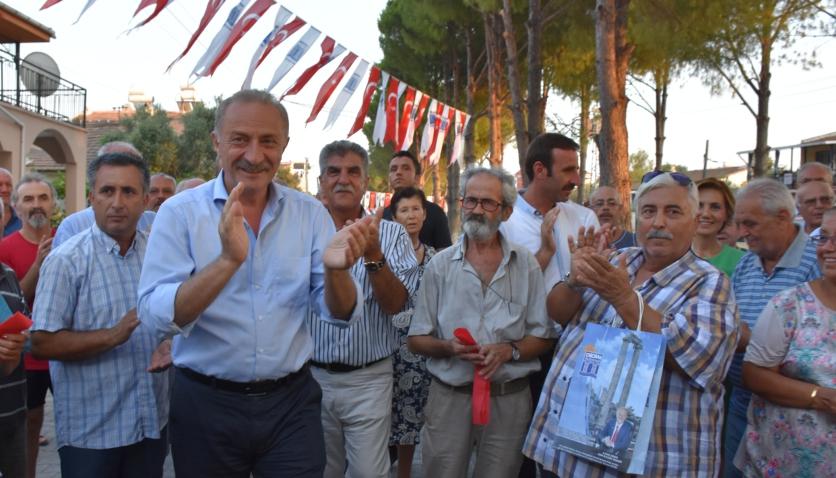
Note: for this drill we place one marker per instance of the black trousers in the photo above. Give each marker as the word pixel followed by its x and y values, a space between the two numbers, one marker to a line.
pixel 217 433
pixel 140 460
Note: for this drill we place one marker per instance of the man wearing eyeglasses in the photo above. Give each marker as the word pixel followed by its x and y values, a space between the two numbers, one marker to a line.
pixel 494 289
pixel 672 292
pixel 606 202
pixel 813 199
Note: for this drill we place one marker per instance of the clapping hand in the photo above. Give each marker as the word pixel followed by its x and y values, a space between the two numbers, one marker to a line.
pixel 350 243
pixel 235 244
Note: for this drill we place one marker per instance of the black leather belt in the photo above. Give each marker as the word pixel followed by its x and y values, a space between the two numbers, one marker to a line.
pixel 497 389
pixel 341 367
pixel 259 387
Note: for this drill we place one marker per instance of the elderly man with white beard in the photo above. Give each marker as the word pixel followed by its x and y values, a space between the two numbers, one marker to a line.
pixel 494 289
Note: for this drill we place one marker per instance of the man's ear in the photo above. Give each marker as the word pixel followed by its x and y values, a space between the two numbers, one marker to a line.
pixel 506 212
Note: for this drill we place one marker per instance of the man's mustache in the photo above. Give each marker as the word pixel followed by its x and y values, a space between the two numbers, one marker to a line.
pixel 250 167
pixel 37 210
pixel 347 188
pixel 659 234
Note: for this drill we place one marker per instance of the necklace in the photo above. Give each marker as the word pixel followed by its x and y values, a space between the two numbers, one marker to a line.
pixel 417 248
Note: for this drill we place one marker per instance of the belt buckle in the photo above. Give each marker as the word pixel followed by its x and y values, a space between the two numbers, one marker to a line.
pixel 249 390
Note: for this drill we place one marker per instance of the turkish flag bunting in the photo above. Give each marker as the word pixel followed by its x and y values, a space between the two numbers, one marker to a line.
pixel 419 105
pixel 436 126
pixel 330 85
pixel 408 106
pixel 242 26
pixel 146 3
pixel 371 86
pixel 212 7
pixel 330 50
pixel 289 29
pixel 392 111
pixel 49 3
pixel 159 8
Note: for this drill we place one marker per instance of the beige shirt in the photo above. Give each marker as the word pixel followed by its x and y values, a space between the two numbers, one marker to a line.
pixel 511 307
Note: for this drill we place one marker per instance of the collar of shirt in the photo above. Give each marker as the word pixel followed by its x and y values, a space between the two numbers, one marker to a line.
pixel 663 278
pixel 275 196
pixel 523 205
pixel 508 249
pixel 793 255
pixel 110 245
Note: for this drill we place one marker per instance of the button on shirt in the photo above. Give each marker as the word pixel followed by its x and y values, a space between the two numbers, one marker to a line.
pixel 507 309
pixel 109 400
pixel 753 288
pixel 255 327
pixel 523 228
pixel 371 337
pixel 699 322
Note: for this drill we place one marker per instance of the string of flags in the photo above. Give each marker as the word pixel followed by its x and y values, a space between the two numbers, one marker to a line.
pixel 391 126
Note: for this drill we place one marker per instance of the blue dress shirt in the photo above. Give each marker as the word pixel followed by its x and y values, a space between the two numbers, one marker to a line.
pixel 82 220
pixel 255 328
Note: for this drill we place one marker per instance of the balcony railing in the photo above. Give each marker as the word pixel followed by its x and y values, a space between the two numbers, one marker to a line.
pixel 50 96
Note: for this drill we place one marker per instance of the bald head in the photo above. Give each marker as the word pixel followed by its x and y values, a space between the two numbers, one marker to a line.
pixel 813 199
pixel 606 203
pixel 810 172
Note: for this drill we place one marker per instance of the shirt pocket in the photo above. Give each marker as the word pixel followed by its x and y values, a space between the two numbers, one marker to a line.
pixel 508 321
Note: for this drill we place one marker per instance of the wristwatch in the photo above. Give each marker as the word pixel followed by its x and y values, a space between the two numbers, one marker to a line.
pixel 515 352
pixel 374 266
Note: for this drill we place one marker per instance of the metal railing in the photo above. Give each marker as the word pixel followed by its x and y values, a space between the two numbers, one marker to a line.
pixel 52 96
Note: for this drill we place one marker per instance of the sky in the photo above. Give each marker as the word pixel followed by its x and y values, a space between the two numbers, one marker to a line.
pixel 97 54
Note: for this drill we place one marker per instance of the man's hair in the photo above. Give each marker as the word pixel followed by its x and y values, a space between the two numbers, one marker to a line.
pixel 813 165
pixel 540 150
pixel 166 176
pixel 341 148
pixel 724 190
pixel 251 96
pixel 509 189
pixel 406 154
pixel 6 172
pixel 665 180
pixel 33 178
pixel 181 186
pixel 117 159
pixel 123 147
pixel 774 196
pixel 406 193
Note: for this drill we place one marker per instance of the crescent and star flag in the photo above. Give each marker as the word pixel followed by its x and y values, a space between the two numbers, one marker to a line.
pixel 418 108
pixel 380 118
pixel 300 48
pixel 212 7
pixel 408 106
pixel 219 40
pixel 371 87
pixel 330 85
pixel 346 93
pixel 429 127
pixel 242 26
pixel 276 36
pixel 49 3
pixel 446 120
pixel 458 144
pixel 161 4
pixel 393 93
pixel 86 6
pixel 330 50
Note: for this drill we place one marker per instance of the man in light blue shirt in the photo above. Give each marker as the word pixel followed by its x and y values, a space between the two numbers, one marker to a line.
pixel 237 264
pixel 110 413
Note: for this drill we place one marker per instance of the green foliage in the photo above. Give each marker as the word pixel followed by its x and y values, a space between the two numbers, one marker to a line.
pixel 640 164
pixel 194 146
pixel 286 176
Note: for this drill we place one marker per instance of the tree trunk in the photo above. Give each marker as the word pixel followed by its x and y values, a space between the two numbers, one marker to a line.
pixel 453 219
pixel 612 58
pixel 661 79
pixel 520 132
pixel 536 100
pixel 586 100
pixel 470 101
pixel 762 120
pixel 493 27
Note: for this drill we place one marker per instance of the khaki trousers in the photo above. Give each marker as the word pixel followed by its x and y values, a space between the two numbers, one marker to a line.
pixel 448 436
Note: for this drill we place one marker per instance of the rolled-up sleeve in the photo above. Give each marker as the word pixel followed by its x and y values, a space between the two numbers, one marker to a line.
pixel 772 333
pixel 702 334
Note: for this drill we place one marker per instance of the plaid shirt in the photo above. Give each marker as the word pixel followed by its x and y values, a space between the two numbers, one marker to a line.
pixel 699 322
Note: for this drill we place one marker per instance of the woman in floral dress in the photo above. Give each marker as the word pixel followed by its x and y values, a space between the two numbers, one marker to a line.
pixel 790 366
pixel 412 382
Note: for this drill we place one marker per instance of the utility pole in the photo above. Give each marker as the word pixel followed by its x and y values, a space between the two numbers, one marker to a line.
pixel 705 160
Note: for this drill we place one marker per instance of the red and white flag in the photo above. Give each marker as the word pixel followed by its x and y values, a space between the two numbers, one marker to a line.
pixel 212 7
pixel 462 119
pixel 430 128
pixel 418 108
pixel 371 87
pixel 444 126
pixel 408 104
pixel 380 118
pixel 330 85
pixel 346 93
pixel 242 26
pixel 393 94
pixel 49 3
pixel 277 35
pixel 299 49
pixel 219 40
pixel 330 50
pixel 160 5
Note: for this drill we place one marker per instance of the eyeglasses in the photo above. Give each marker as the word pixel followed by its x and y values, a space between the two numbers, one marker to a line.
pixel 680 178
pixel 822 240
pixel 488 205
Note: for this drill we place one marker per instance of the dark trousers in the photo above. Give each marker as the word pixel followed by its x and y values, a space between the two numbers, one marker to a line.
pixel 217 433
pixel 140 460
pixel 13 446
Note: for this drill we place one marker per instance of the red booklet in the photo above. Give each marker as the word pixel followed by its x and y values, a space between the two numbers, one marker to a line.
pixel 15 324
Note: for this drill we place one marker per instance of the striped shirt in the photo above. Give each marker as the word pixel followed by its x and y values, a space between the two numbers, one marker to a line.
pixel 109 400
pixel 753 288
pixel 12 386
pixel 699 322
pixel 372 337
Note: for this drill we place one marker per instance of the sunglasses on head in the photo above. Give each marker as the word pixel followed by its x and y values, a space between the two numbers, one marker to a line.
pixel 680 178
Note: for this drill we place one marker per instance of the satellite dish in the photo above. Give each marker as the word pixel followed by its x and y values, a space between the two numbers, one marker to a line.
pixel 39 74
